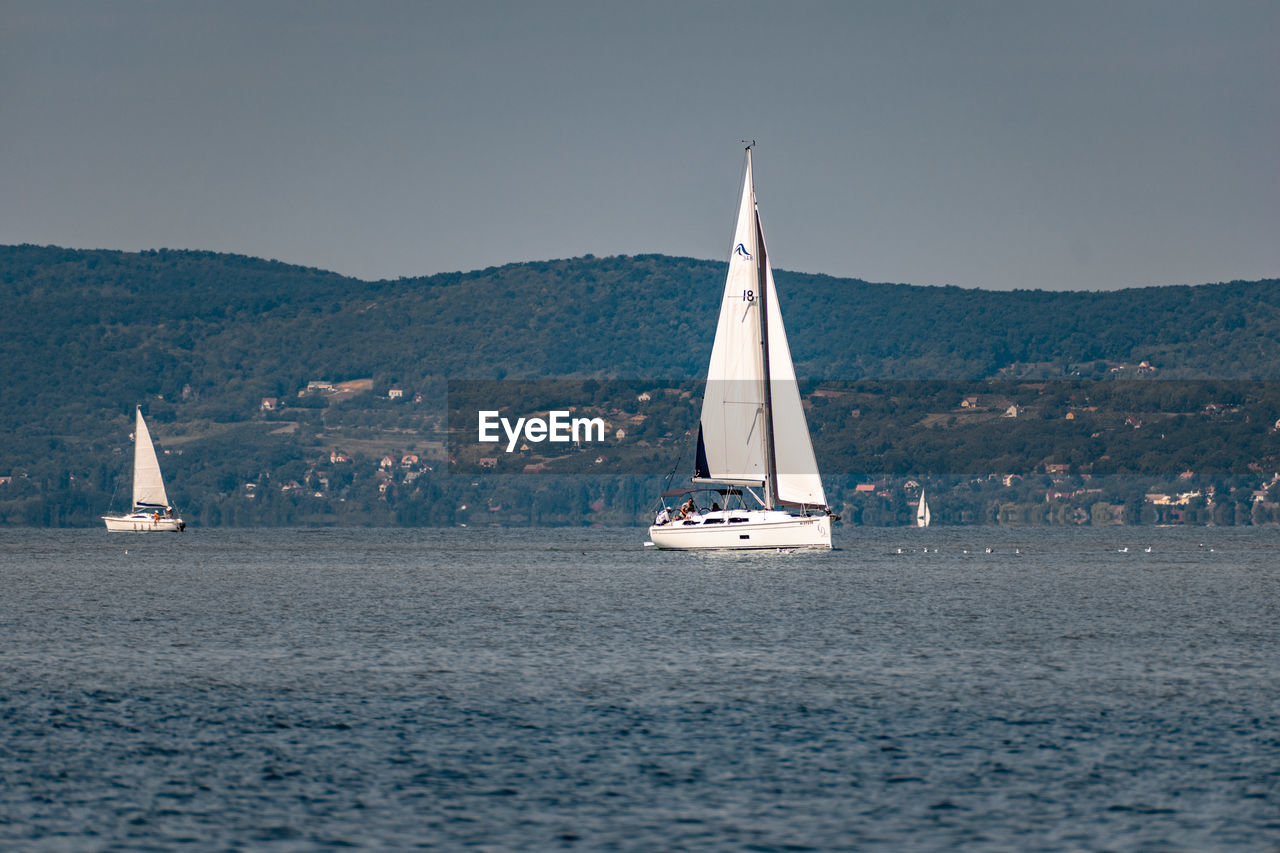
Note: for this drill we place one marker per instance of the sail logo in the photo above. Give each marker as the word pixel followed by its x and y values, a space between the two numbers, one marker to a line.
pixel 741 251
pixel 556 427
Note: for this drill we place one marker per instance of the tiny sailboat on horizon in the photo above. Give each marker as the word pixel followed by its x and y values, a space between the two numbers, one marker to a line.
pixel 923 516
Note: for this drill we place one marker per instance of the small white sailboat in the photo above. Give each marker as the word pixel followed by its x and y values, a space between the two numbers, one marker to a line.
pixel 753 439
pixel 923 517
pixel 151 511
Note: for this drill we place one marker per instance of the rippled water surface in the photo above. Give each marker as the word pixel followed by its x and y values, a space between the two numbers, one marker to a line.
pixel 390 689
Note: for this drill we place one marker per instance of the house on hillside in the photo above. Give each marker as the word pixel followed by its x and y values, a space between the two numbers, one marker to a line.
pixel 269 404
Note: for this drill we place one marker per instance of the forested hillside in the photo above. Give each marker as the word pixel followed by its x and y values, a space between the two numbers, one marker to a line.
pixel 200 339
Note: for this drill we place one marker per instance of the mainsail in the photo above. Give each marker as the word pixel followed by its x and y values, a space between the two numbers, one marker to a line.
pixel 148 487
pixel 753 431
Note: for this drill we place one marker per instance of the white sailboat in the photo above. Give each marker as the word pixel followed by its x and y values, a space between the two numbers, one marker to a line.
pixel 151 511
pixel 753 439
pixel 923 516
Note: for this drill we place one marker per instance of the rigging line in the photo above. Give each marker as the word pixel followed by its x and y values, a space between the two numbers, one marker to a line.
pixel 666 481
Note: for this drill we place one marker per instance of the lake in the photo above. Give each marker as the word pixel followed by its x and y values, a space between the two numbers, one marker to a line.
pixel 570 689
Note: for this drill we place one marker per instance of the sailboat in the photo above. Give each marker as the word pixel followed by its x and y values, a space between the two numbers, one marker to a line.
pixel 753 447
pixel 151 510
pixel 923 516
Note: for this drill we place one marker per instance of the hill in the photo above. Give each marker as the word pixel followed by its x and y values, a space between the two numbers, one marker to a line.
pixel 202 338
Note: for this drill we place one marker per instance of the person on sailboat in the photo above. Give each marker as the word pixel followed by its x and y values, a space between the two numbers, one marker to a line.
pixel 664 517
pixel 689 508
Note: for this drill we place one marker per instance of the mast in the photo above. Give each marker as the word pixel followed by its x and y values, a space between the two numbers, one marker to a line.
pixel 762 289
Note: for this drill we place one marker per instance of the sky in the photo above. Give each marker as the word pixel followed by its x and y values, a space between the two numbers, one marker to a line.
pixel 1083 145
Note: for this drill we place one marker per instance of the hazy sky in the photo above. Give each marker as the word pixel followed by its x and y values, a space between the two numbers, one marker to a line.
pixel 985 144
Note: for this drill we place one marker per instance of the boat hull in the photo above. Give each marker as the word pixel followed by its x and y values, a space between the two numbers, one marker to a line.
pixel 756 530
pixel 143 523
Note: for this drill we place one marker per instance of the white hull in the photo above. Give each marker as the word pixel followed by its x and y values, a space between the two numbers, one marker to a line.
pixel 139 522
pixel 743 530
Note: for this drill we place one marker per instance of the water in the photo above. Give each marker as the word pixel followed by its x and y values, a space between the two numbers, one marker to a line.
pixel 567 689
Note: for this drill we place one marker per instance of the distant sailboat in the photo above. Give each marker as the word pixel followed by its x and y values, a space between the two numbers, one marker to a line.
pixel 753 438
pixel 151 511
pixel 923 517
